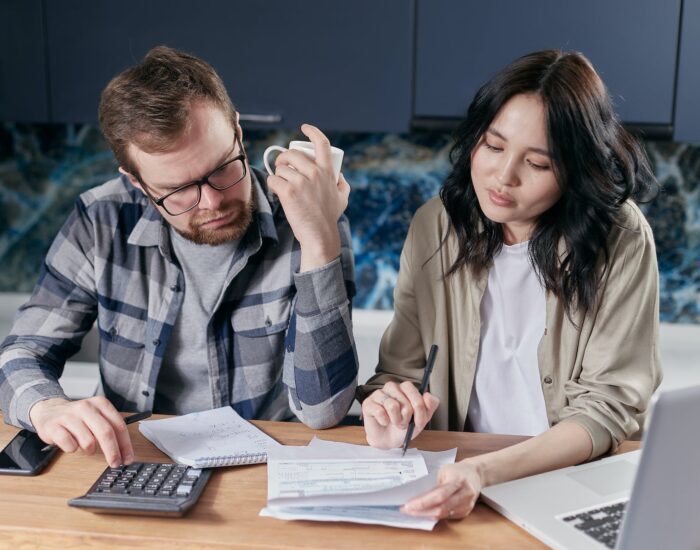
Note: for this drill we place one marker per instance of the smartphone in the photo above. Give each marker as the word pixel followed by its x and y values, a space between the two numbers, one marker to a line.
pixel 23 456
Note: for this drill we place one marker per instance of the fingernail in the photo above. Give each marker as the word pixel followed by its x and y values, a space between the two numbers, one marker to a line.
pixel 128 458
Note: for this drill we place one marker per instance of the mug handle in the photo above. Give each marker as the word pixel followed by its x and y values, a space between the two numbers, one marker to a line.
pixel 267 152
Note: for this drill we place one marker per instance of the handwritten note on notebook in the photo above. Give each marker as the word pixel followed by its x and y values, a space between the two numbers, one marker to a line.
pixel 218 437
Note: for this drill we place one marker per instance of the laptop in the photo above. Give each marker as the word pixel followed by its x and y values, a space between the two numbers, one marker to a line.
pixel 643 499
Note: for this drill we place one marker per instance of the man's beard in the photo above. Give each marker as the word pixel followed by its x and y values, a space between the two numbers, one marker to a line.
pixel 235 229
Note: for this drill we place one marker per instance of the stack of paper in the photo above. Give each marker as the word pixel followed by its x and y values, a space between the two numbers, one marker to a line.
pixel 330 481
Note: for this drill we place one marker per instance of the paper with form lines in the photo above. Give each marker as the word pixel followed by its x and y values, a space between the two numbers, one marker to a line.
pixel 330 481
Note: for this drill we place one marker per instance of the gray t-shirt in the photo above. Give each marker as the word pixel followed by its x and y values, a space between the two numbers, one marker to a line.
pixel 183 381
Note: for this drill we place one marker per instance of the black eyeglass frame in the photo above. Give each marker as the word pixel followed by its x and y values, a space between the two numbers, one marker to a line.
pixel 200 182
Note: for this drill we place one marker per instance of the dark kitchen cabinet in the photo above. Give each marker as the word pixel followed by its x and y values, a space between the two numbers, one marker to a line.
pixel 340 65
pixel 632 44
pixel 23 94
pixel 351 66
pixel 687 115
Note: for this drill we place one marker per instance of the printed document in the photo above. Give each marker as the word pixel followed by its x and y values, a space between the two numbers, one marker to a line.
pixel 330 481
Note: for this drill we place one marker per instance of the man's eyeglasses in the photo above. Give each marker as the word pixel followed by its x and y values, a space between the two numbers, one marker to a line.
pixel 186 197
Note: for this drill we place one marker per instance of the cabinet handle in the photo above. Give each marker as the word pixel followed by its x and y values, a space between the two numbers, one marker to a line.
pixel 262 119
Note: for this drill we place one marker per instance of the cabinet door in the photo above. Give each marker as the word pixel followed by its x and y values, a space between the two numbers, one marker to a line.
pixel 23 96
pixel 631 43
pixel 340 65
pixel 687 116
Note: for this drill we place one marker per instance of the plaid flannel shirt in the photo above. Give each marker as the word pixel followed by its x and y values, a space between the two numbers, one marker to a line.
pixel 280 342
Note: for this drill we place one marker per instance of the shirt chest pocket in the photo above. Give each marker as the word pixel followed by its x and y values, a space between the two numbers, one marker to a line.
pixel 121 330
pixel 121 343
pixel 259 345
pixel 262 320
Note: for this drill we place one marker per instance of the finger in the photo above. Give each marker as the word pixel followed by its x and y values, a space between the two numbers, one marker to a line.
pixel 290 175
pixel 457 506
pixel 376 412
pixel 406 410
pixel 378 397
pixel 431 402
pixel 62 438
pixel 275 184
pixel 343 185
pixel 92 417
pixel 80 432
pixel 119 431
pixel 454 508
pixel 421 415
pixel 432 499
pixel 394 410
pixel 282 188
pixel 322 146
pixel 344 190
pixel 298 161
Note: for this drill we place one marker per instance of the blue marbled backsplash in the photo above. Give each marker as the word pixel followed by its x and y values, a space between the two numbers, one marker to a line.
pixel 43 168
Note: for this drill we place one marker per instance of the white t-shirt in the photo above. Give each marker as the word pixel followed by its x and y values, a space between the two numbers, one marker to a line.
pixel 507 394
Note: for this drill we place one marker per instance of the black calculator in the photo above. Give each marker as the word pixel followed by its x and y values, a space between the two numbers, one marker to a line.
pixel 150 488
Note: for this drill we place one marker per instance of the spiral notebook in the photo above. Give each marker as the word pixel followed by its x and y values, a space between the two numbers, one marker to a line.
pixel 218 437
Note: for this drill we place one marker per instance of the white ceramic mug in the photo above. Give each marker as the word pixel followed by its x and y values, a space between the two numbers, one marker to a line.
pixel 308 148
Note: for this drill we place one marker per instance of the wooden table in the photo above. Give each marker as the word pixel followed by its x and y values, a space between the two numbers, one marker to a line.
pixel 34 510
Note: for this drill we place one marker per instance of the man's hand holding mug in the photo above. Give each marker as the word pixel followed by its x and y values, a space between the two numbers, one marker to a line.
pixel 313 194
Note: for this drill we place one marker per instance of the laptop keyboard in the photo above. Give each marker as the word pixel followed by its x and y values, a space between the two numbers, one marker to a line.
pixel 602 523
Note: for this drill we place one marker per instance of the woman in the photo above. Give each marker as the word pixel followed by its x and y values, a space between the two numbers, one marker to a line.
pixel 536 275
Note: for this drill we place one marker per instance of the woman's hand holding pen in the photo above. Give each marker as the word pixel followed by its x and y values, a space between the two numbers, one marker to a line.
pixel 388 411
pixel 387 416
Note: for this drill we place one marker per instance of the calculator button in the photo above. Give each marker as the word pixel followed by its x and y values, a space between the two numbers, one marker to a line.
pixel 184 490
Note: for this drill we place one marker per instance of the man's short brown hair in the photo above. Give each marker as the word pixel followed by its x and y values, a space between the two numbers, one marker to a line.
pixel 149 104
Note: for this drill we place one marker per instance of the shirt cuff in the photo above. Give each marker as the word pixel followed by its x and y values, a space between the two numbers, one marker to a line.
pixel 601 438
pixel 24 401
pixel 320 289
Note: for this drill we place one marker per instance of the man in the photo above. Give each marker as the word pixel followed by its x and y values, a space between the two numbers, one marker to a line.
pixel 211 284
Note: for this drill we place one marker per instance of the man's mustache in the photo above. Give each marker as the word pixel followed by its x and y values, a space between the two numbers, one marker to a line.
pixel 235 207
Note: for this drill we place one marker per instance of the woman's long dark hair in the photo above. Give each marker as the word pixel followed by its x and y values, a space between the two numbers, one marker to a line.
pixel 598 166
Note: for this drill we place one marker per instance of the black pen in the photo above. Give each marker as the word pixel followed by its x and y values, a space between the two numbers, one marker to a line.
pixel 423 386
pixel 128 420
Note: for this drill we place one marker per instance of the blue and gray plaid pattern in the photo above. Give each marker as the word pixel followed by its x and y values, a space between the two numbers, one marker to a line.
pixel 280 342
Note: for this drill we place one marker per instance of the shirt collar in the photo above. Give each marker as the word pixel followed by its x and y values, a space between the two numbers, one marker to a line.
pixel 150 227
pixel 267 206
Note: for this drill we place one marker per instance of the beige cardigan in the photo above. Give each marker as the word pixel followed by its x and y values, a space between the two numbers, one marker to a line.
pixel 599 371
